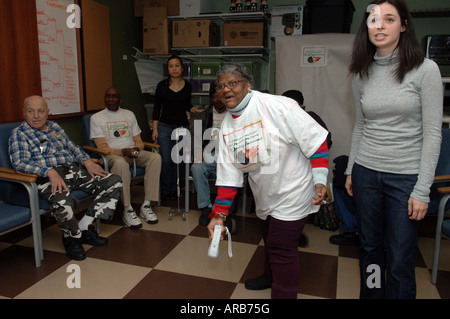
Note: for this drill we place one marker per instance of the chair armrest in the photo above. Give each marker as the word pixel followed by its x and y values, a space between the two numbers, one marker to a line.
pixel 13 172
pixel 95 150
pixel 442 178
pixel 19 177
pixel 444 190
pixel 152 145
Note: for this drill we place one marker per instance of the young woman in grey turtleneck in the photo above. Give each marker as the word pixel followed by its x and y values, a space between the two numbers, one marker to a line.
pixel 398 125
pixel 395 145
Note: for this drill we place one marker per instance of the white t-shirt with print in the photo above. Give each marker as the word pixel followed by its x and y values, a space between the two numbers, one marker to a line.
pixel 272 141
pixel 118 128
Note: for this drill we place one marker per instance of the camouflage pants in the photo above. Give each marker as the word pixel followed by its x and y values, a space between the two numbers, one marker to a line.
pixel 106 190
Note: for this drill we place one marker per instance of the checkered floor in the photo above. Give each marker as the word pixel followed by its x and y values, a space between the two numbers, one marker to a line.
pixel 169 261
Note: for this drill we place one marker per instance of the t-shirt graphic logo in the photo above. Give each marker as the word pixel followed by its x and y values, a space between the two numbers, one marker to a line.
pixel 247 146
pixel 118 129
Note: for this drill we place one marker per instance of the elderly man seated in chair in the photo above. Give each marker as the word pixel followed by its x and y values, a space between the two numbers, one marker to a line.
pixel 116 131
pixel 42 147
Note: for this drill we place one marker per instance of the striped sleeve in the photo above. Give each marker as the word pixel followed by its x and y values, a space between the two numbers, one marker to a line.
pixel 224 200
pixel 319 164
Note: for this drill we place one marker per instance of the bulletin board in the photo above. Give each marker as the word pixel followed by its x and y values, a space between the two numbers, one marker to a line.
pixel 60 57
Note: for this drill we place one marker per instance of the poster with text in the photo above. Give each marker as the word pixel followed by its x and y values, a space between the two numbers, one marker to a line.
pixel 58 56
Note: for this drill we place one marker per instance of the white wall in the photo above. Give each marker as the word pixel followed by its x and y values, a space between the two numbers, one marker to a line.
pixel 326 89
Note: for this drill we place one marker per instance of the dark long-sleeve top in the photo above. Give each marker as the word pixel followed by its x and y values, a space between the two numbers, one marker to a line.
pixel 171 107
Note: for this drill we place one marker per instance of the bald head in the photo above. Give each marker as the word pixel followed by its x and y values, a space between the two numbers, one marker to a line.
pixel 34 99
pixel 35 110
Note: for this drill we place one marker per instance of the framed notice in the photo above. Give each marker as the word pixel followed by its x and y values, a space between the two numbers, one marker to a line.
pixel 314 56
pixel 60 58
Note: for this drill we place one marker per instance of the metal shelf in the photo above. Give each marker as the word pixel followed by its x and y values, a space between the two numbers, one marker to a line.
pixel 252 54
pixel 238 16
pixel 223 53
pixel 431 13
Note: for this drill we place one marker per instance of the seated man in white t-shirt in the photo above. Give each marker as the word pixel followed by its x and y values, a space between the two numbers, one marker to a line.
pixel 116 131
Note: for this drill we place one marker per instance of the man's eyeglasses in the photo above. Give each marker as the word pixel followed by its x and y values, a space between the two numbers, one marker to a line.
pixel 230 85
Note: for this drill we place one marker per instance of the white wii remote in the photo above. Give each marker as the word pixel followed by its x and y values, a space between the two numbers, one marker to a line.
pixel 213 250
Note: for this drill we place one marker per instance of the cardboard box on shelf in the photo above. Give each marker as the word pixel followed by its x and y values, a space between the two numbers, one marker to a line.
pixel 155 31
pixel 173 6
pixel 195 33
pixel 287 20
pixel 244 33
pixel 191 8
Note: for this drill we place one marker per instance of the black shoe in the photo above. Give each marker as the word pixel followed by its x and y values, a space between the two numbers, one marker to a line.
pixel 91 237
pixel 304 240
pixel 73 247
pixel 345 239
pixel 204 219
pixel 258 283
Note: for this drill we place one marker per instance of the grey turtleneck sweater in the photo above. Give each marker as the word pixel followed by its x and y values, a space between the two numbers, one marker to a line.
pixel 398 125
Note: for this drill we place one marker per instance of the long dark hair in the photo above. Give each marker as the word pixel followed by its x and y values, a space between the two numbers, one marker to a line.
pixel 168 81
pixel 410 52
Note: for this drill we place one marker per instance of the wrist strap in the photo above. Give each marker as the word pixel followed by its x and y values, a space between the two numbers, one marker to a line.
pixel 230 252
pixel 221 214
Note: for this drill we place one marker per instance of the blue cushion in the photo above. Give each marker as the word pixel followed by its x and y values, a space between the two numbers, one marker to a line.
pixel 140 171
pixel 446 228
pixel 5 131
pixel 12 216
pixel 442 168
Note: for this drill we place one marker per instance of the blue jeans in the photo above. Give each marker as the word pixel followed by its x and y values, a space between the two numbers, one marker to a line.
pixel 201 172
pixel 343 204
pixel 168 177
pixel 388 238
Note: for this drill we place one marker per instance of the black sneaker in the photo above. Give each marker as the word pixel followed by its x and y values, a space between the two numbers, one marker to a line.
pixel 345 239
pixel 91 237
pixel 204 219
pixel 74 249
pixel 258 283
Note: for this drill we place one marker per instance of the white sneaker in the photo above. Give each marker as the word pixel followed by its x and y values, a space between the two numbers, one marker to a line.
pixel 148 214
pixel 131 220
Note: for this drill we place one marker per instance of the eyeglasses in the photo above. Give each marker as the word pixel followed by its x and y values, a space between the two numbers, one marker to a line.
pixel 230 85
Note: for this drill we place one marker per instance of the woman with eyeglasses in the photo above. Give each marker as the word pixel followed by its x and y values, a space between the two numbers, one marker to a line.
pixel 276 143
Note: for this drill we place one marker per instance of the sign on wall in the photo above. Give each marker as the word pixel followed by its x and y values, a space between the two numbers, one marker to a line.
pixel 59 56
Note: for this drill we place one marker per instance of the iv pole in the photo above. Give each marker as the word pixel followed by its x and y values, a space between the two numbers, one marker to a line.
pixel 178 210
